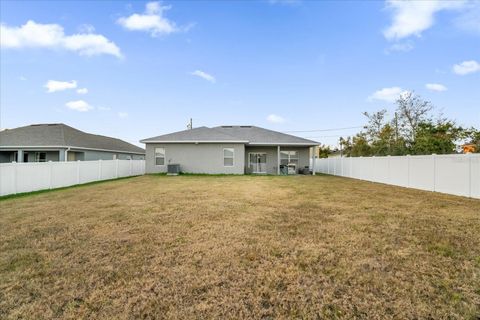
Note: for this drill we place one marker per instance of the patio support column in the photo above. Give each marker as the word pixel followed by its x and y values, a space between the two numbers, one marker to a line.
pixel 19 155
pixel 314 153
pixel 278 160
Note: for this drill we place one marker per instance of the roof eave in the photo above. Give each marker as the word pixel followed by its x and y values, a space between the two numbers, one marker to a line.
pixel 310 144
pixel 193 141
pixel 70 147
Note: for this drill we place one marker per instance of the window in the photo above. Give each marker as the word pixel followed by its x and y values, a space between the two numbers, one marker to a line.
pixel 228 154
pixel 289 157
pixel 40 156
pixel 160 156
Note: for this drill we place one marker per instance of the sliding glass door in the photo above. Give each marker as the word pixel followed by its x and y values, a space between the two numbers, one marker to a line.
pixel 257 162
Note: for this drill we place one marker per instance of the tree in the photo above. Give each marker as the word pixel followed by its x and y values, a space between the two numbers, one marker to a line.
pixel 360 146
pixel 411 131
pixel 439 138
pixel 412 110
pixel 323 151
pixel 376 122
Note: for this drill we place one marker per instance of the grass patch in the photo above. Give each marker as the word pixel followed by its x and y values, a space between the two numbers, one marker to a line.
pixel 262 247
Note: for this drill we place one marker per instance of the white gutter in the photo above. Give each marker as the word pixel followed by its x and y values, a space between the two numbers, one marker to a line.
pixel 65 147
pixel 193 141
pixel 281 144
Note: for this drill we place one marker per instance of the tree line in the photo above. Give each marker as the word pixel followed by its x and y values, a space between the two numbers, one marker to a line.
pixel 413 129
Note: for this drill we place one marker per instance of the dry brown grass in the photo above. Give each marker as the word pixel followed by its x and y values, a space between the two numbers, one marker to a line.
pixel 240 247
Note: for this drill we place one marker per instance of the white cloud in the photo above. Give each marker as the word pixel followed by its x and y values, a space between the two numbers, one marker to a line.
pixel 273 118
pixel 22 78
pixel 54 86
pixel 122 115
pixel 152 20
pixel 86 28
pixel 470 20
pixel 411 18
pixel 436 87
pixel 466 67
pixel 79 105
pixel 104 108
pixel 204 75
pixel 387 94
pixel 52 36
pixel 82 91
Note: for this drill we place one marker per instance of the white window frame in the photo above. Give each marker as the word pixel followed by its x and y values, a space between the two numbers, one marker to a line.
pixel 289 155
pixel 164 156
pixel 232 157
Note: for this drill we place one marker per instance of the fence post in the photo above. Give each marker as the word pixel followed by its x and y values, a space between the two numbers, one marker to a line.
pixel 116 168
pixel 341 166
pixel 373 175
pixel 434 165
pixel 78 171
pixel 50 173
pixel 15 177
pixel 351 167
pixel 469 157
pixel 408 170
pixel 100 169
pixel 388 170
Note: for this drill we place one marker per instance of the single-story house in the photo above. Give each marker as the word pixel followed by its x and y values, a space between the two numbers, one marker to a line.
pixel 229 150
pixel 59 142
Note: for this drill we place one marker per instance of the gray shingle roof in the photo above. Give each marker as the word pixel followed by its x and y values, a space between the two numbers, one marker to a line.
pixel 59 134
pixel 257 135
pixel 200 134
pixel 241 134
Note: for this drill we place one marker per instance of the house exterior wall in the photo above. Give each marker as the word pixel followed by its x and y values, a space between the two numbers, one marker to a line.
pixel 272 156
pixel 59 155
pixel 8 155
pixel 89 155
pixel 271 153
pixel 196 158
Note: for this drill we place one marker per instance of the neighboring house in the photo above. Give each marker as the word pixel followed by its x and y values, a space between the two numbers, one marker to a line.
pixel 59 142
pixel 229 150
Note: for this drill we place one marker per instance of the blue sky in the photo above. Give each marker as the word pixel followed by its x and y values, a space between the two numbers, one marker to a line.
pixel 137 69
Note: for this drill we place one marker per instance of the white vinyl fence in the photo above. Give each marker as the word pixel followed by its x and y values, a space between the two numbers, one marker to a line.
pixel 33 176
pixel 457 174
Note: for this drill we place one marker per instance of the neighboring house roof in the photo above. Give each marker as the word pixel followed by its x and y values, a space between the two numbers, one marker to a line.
pixel 61 135
pixel 240 134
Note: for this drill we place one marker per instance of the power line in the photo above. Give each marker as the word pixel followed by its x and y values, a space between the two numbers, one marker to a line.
pixel 333 136
pixel 320 130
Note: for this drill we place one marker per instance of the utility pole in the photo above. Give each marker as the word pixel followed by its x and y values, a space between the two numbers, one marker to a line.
pixel 190 125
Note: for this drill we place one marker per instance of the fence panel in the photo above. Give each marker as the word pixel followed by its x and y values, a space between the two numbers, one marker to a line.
pixel 475 177
pixel 63 174
pixel 451 173
pixel 33 176
pixel 456 174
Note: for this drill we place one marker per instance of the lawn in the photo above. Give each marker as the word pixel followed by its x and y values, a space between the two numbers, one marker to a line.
pixel 239 247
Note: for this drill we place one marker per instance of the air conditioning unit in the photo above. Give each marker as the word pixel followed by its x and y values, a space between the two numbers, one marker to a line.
pixel 173 169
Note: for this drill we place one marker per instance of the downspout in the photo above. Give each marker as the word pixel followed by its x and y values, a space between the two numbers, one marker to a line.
pixel 66 154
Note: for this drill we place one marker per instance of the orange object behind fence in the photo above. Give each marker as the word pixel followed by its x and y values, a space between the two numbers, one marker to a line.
pixel 468 148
